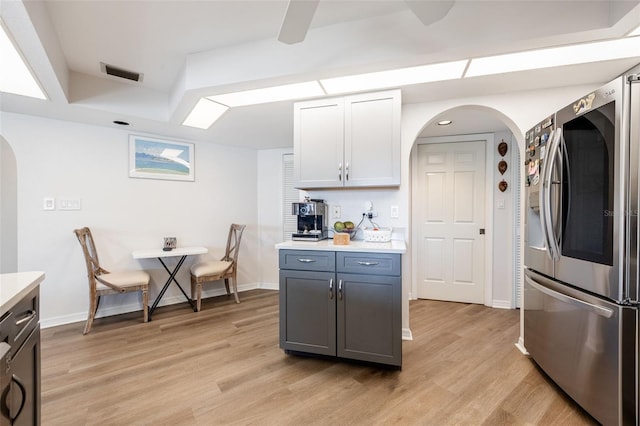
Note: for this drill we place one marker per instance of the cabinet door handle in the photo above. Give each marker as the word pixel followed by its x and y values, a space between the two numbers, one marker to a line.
pixel 346 171
pixel 340 290
pixel 15 379
pixel 303 260
pixel 331 288
pixel 340 172
pixel 367 263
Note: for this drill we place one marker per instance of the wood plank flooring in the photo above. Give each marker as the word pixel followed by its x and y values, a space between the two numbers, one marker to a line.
pixel 223 366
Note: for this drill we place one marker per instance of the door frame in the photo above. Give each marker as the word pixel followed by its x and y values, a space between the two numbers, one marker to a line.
pixel 488 139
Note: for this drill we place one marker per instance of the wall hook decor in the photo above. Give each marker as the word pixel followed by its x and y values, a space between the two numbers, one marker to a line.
pixel 503 148
pixel 503 185
pixel 502 167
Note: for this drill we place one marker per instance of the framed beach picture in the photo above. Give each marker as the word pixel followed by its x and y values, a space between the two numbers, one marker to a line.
pixel 154 158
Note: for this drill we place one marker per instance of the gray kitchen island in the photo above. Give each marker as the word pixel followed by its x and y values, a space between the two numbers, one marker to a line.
pixel 342 301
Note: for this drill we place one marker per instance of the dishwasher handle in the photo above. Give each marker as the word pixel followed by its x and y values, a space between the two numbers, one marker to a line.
pixel 605 312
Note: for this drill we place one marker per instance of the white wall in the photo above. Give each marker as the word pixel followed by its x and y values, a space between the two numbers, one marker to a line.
pixel 62 159
pixel 8 209
pixel 270 213
pixel 503 222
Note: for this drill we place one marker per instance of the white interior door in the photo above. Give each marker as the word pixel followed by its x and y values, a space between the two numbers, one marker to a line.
pixel 451 188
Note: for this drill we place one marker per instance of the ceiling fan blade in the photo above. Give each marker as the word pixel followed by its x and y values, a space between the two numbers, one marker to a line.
pixel 297 20
pixel 430 11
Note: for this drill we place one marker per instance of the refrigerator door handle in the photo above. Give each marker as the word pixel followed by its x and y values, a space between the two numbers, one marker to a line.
pixel 543 201
pixel 599 310
pixel 545 195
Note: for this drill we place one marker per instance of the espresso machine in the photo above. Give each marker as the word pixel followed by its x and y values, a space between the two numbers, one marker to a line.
pixel 312 220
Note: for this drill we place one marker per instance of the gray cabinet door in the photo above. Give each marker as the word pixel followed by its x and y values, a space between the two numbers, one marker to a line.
pixel 24 394
pixel 308 311
pixel 369 316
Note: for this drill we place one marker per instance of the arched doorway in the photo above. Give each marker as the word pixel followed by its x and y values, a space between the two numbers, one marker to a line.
pixel 502 243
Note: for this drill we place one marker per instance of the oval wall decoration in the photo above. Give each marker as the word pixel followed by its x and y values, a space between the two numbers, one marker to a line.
pixel 503 148
pixel 502 167
pixel 503 185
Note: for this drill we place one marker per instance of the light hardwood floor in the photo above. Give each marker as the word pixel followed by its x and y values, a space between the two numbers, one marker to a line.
pixel 223 366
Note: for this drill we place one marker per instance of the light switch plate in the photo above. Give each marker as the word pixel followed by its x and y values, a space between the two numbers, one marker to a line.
pixel 48 203
pixel 69 204
pixel 394 212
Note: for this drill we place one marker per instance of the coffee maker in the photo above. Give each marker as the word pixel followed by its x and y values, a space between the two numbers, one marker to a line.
pixel 312 220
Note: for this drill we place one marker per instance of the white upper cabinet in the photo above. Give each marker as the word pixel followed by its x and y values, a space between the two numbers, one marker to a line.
pixel 351 141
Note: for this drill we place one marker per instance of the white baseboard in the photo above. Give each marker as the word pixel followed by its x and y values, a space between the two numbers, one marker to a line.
pixel 501 304
pixel 520 346
pixel 269 286
pixel 133 307
pixel 406 334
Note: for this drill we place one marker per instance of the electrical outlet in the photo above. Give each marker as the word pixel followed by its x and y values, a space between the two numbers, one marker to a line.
pixel 336 212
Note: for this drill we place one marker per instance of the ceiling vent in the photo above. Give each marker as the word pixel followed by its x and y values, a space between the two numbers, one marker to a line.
pixel 120 72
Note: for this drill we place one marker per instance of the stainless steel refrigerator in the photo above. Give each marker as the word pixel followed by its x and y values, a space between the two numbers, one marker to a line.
pixel 581 249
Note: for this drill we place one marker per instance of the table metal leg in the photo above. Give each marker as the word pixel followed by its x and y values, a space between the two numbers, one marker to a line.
pixel 172 277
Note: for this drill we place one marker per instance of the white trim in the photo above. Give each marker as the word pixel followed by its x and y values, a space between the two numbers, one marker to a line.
pixel 133 307
pixel 269 286
pixel 489 178
pixel 502 304
pixel 413 226
pixel 521 348
pixel 518 236
pixel 406 334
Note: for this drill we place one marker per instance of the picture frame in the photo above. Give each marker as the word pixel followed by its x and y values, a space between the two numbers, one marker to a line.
pixel 154 158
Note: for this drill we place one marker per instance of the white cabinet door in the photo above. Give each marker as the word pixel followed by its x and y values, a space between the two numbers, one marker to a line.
pixel 372 139
pixel 348 142
pixel 451 250
pixel 318 143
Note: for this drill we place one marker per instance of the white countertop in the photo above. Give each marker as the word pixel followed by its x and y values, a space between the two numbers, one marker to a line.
pixel 14 287
pixel 393 246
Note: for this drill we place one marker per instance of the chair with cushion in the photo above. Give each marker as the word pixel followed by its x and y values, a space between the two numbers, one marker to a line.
pixel 103 282
pixel 223 269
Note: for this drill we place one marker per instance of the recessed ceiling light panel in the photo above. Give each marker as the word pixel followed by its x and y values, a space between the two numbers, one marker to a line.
pixel 15 75
pixel 556 56
pixel 204 114
pixel 395 78
pixel 286 92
